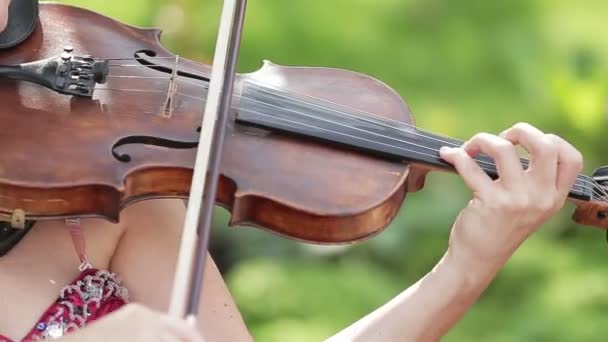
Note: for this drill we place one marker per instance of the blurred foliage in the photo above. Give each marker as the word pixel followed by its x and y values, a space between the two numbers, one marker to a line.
pixel 463 66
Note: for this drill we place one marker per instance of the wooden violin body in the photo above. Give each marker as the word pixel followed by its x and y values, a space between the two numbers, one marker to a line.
pixel 65 156
pixel 317 154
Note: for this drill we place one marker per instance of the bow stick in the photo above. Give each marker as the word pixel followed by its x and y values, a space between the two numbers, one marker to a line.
pixel 187 285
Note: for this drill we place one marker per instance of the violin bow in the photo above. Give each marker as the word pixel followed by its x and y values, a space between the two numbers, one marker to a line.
pixel 188 281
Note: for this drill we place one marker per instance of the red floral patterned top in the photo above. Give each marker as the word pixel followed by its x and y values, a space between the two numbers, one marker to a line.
pixel 92 295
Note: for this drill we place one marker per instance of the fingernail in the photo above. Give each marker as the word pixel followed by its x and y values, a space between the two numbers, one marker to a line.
pixel 445 149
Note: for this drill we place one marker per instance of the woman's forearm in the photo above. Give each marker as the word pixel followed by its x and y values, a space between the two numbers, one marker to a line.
pixel 429 308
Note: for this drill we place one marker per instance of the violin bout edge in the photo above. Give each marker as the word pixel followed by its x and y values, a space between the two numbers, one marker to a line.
pixel 247 208
pixel 263 213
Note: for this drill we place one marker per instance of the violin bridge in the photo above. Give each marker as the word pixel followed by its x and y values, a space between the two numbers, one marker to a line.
pixel 171 91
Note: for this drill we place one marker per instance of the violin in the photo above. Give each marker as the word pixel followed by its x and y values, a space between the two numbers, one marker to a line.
pixel 97 115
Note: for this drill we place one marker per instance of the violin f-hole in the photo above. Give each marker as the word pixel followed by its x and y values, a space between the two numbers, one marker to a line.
pixel 151 141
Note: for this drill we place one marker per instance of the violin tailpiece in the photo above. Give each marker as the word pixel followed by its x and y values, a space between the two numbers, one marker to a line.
pixel 66 74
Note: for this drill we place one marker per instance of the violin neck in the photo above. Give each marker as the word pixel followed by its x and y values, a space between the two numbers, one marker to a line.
pixel 374 135
pixel 583 189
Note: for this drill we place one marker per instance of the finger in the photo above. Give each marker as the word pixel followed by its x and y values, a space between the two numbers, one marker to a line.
pixel 183 330
pixel 502 151
pixel 542 150
pixel 472 174
pixel 569 165
pixel 166 336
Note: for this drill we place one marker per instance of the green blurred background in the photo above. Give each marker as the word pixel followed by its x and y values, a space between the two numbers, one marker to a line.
pixel 463 66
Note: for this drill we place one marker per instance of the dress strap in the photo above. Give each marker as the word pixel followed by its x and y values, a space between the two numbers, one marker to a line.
pixel 79 242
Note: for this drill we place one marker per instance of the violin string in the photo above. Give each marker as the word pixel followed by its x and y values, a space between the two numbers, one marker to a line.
pixel 138 90
pixel 180 78
pixel 140 77
pixel 197 73
pixel 204 65
pixel 405 125
pixel 367 116
pixel 142 58
pixel 582 185
pixel 323 119
pixel 586 178
pixel 389 145
pixel 524 161
pixel 383 136
pixel 151 66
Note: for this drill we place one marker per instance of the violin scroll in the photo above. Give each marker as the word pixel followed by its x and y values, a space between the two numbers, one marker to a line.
pixel 595 211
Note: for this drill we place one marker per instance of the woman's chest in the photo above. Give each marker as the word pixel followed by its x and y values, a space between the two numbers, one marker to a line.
pixel 33 274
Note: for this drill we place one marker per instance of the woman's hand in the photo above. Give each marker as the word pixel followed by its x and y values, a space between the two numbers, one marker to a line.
pixel 137 323
pixel 504 212
pixel 4 13
pixel 501 215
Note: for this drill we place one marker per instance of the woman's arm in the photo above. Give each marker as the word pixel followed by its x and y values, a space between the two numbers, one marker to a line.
pixel 501 215
pixel 427 309
pixel 145 259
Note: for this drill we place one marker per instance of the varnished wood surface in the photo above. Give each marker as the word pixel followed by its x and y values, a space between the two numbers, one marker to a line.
pixel 55 150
